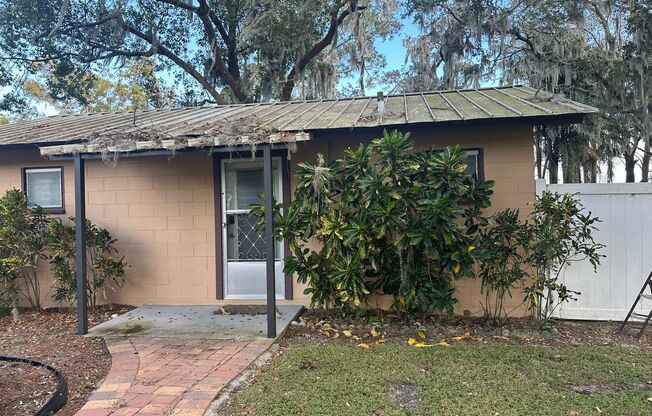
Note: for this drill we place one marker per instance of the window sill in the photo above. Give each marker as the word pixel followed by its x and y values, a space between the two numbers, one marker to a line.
pixel 53 210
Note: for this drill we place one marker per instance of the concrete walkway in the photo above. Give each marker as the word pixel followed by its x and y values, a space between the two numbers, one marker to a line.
pixel 193 321
pixel 175 360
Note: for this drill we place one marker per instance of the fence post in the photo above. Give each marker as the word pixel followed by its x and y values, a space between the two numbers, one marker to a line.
pixel 539 187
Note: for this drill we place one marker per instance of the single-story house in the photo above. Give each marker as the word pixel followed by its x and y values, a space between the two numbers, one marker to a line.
pixel 174 186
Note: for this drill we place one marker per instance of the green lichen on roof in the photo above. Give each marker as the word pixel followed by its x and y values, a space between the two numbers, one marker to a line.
pixel 286 118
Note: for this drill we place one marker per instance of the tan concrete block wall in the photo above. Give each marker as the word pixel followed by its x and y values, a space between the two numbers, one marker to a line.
pixel 162 213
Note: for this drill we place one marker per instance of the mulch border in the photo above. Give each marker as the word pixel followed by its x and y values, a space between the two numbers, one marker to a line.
pixel 60 396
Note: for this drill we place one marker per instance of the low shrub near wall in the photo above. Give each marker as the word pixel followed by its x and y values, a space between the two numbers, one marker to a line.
pixel 529 256
pixel 22 245
pixel 105 268
pixel 27 236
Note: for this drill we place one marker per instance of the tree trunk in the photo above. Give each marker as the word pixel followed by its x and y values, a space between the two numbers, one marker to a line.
pixel 317 48
pixel 14 311
pixel 571 171
pixel 645 163
pixel 538 154
pixel 552 160
pixel 590 171
pixel 630 158
pixel 610 169
pixel 594 171
pixel 577 172
pixel 567 171
pixel 630 166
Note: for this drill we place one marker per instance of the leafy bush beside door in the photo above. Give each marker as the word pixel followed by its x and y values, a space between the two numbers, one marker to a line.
pixel 386 219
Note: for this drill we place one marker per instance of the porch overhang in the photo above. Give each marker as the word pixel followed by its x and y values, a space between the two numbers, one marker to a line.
pixel 149 148
pixel 81 152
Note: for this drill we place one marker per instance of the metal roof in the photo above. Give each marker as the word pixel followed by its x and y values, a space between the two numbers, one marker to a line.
pixel 282 119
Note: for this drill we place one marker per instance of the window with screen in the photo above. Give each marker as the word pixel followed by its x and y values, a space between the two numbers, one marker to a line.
pixel 44 188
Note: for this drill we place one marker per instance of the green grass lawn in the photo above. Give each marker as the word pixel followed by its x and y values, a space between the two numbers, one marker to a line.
pixel 460 380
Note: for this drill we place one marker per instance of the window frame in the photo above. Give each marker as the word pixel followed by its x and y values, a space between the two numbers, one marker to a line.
pixel 51 210
pixel 480 161
pixel 479 157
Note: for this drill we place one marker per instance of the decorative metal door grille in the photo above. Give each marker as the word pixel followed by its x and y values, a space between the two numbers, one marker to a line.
pixel 246 242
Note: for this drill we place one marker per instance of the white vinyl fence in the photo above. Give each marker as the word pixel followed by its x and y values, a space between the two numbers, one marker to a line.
pixel 626 229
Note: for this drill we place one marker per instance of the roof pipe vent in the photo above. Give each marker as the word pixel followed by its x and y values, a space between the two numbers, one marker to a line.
pixel 381 102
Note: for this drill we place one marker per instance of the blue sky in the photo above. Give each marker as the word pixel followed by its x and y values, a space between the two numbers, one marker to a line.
pixel 394 52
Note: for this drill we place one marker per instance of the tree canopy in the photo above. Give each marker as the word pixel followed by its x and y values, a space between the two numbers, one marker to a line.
pixel 131 87
pixel 221 51
pixel 595 51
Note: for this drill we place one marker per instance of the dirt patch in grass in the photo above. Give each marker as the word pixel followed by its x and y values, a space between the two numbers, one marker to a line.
pixel 51 337
pixel 24 388
pixel 609 387
pixel 406 396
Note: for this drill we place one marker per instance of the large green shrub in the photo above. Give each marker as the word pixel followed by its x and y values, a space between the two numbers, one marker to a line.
pixel 23 232
pixel 105 271
pixel 386 219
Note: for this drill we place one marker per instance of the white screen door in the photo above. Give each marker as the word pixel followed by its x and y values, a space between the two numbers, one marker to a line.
pixel 244 248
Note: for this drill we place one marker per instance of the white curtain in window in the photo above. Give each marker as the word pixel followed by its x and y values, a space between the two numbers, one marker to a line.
pixel 43 187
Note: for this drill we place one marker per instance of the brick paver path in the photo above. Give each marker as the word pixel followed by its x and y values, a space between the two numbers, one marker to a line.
pixel 169 376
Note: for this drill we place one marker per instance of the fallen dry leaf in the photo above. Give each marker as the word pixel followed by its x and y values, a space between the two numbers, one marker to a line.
pixel 421 345
pixel 347 333
pixel 421 334
pixel 462 337
pixel 363 346
pixel 374 332
pixel 443 344
pixel 412 341
pixel 380 341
